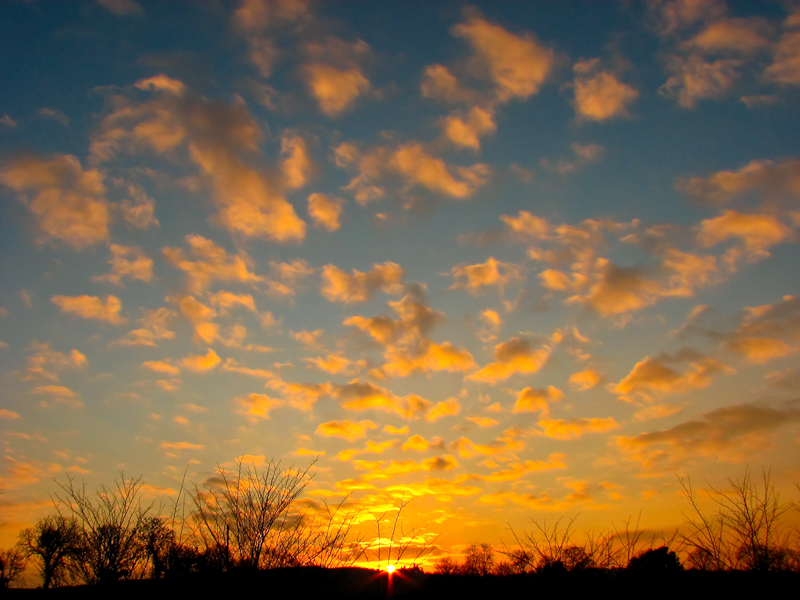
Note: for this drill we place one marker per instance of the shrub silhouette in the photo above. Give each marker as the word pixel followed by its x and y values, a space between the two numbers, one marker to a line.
pixel 656 560
pixel 54 543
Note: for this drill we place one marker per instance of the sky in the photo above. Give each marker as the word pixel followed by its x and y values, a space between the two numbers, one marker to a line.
pixel 487 261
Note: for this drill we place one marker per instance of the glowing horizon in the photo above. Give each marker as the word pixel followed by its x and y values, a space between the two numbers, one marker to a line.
pixel 472 262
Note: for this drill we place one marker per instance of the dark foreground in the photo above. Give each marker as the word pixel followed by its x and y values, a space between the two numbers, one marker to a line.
pixel 362 583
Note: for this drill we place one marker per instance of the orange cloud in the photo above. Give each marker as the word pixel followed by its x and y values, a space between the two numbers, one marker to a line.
pixel 218 138
pixel 213 264
pixel 491 273
pixel 441 488
pixel 154 327
pixel 257 405
pixel 537 400
pixel 325 212
pixel 337 363
pixel 653 376
pixel 439 83
pixel 43 361
pixel 731 433
pixel 335 90
pixel 757 232
pixel 513 356
pixel 519 470
pixel 348 430
pixel 181 446
pixel 738 35
pixel 483 421
pixel 585 380
pixel 518 65
pixel 140 267
pixel 60 394
pixel 67 202
pixel 773 179
pixel 91 307
pixel 420 168
pixel 466 132
pixel 695 79
pixel 385 471
pixel 370 448
pixel 362 395
pixel 429 357
pixel 600 96
pixel 569 429
pixel 296 166
pixel 161 367
pixel 201 364
pixel 443 409
pixel 338 286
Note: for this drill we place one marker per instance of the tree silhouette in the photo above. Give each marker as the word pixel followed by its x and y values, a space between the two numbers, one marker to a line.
pixel 53 543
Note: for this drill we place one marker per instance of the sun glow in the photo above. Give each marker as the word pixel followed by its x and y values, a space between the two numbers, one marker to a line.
pixel 390 569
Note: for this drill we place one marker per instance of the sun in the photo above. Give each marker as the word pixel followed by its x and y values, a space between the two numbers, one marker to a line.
pixel 390 569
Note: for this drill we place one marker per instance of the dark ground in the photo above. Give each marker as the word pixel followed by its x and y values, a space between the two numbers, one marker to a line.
pixel 362 583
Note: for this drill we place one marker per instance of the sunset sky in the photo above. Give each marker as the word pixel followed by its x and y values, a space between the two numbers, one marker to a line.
pixel 497 260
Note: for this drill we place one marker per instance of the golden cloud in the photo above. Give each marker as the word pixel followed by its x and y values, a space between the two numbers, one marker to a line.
pixel 569 429
pixel 653 376
pixel 518 65
pixel 43 361
pixel 213 264
pixel 429 357
pixel 443 409
pixel 325 212
pixel 67 202
pixel 466 131
pixel 139 267
pixel 491 273
pixel 338 286
pixel 537 400
pixel 513 356
pixel 201 364
pixel 757 232
pixel 153 328
pixel 296 166
pixel 348 430
pixel 520 469
pixel 585 380
pixel 257 405
pixel 161 367
pixel 335 90
pixel 91 307
pixel 600 96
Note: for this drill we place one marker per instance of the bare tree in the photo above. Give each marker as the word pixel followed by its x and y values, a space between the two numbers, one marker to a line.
pixel 743 531
pixel 400 541
pixel 446 566
pixel 111 523
pixel 479 560
pixel 244 517
pixel 53 542
pixel 12 564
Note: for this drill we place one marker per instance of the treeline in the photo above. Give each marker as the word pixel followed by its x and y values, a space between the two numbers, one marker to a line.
pixel 249 519
pixel 253 519
pixel 745 530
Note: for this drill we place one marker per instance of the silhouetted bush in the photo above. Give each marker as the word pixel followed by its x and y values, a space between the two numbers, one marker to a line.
pixel 656 560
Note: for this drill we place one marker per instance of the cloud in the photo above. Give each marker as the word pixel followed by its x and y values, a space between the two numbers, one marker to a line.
pixel 56 115
pixel 362 395
pixel 513 356
pixel 738 35
pixel 139 212
pixel 600 96
pixel 338 286
pixel 44 362
pixel 537 400
pixel 201 364
pixel 420 168
pixel 441 488
pixel 336 363
pixel 301 395
pixel 466 448
pixel 60 394
pixel 466 131
pixel 585 380
pixel 122 8
pixel 325 212
pixel 439 83
pixel 348 430
pixel 296 166
pixel 91 307
pixel 212 263
pixel 200 315
pixel 773 180
pixel 658 411
pixel 785 67
pixel 138 267
pixel 654 375
pixel 429 356
pixel 765 332
pixel 6 414
pixel 217 139
pixel 444 408
pixel 517 65
pixel 731 433
pixel 257 405
pixel 695 79
pixel 404 467
pixel 7 121
pixel 757 233
pixel 66 201
pixel 418 443
pixel 491 273
pixel 161 367
pixel 483 421
pixel 335 90
pixel 570 429
pixel 370 448
pixel 224 300
pixel 181 446
pixel 520 469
